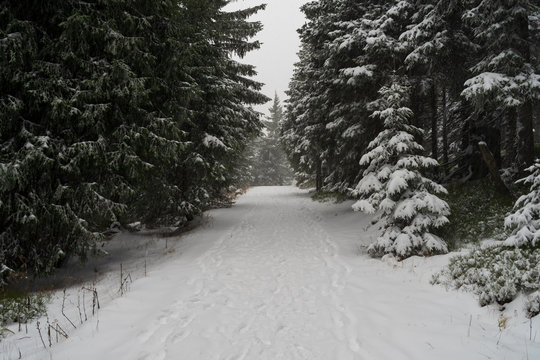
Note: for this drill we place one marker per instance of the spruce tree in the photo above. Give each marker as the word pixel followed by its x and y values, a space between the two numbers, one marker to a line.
pixel 504 74
pixel 294 135
pixel 44 205
pixel 305 109
pixel 350 84
pixel 348 51
pixel 114 111
pixel 393 182
pixel 525 221
pixel 269 164
pixel 438 48
pixel 224 121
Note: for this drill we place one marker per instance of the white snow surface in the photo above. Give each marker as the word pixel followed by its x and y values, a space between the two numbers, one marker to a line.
pixel 278 276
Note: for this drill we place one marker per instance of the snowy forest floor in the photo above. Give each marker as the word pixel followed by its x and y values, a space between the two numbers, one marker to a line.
pixel 277 276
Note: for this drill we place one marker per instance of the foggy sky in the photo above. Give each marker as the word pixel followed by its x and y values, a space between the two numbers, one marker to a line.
pixel 275 59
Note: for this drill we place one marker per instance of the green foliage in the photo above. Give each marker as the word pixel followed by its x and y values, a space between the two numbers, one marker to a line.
pixel 533 305
pixel 472 66
pixel 116 111
pixel 525 218
pixel 395 184
pixel 496 274
pixel 21 308
pixel 478 212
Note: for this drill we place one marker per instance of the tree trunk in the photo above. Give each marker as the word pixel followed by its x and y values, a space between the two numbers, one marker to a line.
pixel 536 121
pixel 445 131
pixel 525 145
pixel 318 176
pixel 434 132
pixel 510 138
pixel 491 163
pixel 415 107
pixel 525 135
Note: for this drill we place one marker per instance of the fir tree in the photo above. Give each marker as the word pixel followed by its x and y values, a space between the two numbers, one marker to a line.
pixel 224 120
pixel 393 183
pixel 116 111
pixel 44 206
pixel 348 51
pixel 269 165
pixel 526 218
pixel 505 73
pixel 295 134
pixel 438 48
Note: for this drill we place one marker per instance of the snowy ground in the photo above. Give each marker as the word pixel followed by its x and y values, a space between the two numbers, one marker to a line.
pixel 277 276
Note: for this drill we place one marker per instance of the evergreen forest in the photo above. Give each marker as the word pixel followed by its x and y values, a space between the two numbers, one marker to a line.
pixel 391 99
pixel 114 111
pixel 471 69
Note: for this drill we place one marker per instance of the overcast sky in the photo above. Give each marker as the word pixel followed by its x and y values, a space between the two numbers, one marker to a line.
pixel 275 59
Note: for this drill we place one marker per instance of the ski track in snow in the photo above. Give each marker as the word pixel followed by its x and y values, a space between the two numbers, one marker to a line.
pixel 281 277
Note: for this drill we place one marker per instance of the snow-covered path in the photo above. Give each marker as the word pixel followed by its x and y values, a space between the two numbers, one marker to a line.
pixel 267 289
pixel 281 277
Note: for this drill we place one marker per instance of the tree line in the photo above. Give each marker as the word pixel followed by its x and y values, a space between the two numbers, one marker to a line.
pixel 471 66
pixel 117 111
